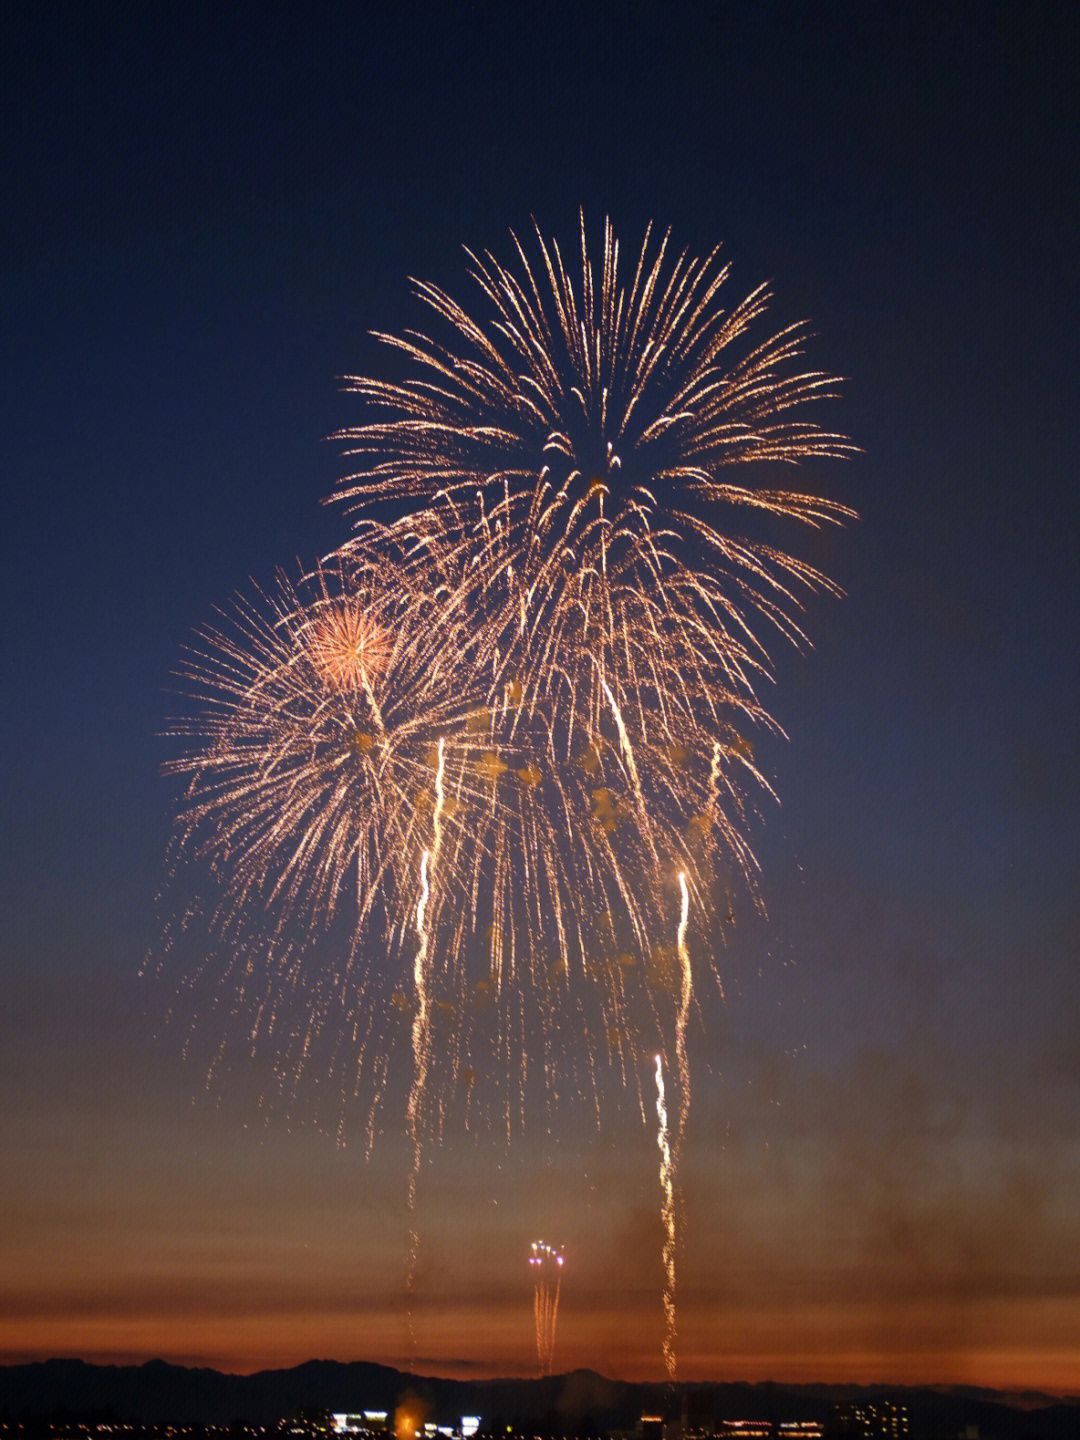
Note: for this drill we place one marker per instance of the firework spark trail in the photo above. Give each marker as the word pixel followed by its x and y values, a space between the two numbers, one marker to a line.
pixel 440 799
pixel 554 1320
pixel 667 1216
pixel 421 1044
pixel 686 994
pixel 624 738
pixel 555 1315
pixel 421 1026
pixel 671 1153
pixel 714 778
pixel 545 1261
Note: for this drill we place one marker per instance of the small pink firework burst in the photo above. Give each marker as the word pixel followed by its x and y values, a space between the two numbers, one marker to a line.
pixel 348 646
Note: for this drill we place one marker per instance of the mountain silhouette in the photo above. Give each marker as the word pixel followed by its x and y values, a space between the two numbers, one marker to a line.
pixel 580 1401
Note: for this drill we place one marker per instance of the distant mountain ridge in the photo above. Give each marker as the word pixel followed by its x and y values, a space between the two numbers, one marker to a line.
pixel 161 1392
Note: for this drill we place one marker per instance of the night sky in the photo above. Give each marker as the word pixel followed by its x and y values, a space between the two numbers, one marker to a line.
pixel 206 214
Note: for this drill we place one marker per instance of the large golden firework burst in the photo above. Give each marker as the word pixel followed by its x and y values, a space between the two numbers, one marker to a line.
pixel 600 446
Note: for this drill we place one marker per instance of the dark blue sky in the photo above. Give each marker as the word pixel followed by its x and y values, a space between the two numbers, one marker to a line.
pixel 206 215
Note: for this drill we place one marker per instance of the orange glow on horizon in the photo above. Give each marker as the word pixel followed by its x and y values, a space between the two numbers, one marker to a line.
pixel 245 1344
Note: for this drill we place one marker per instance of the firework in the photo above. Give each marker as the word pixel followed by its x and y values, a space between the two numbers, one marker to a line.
pixel 580 443
pixel 601 426
pixel 574 446
pixel 507 734
pixel 348 645
pixel 318 795
pixel 546 1265
pixel 421 1029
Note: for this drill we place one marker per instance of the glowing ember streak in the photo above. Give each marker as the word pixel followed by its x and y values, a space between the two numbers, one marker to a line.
pixel 421 1027
pixel 714 778
pixel 546 1264
pixel 440 798
pixel 624 738
pixel 421 1044
pixel 667 1216
pixel 672 1154
pixel 686 993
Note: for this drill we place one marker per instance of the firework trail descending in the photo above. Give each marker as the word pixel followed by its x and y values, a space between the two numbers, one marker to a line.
pixel 421 1030
pixel 546 1264
pixel 667 1216
pixel 686 994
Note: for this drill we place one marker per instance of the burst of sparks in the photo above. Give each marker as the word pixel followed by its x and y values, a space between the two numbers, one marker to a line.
pixel 309 810
pixel 581 441
pixel 575 450
pixel 348 646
